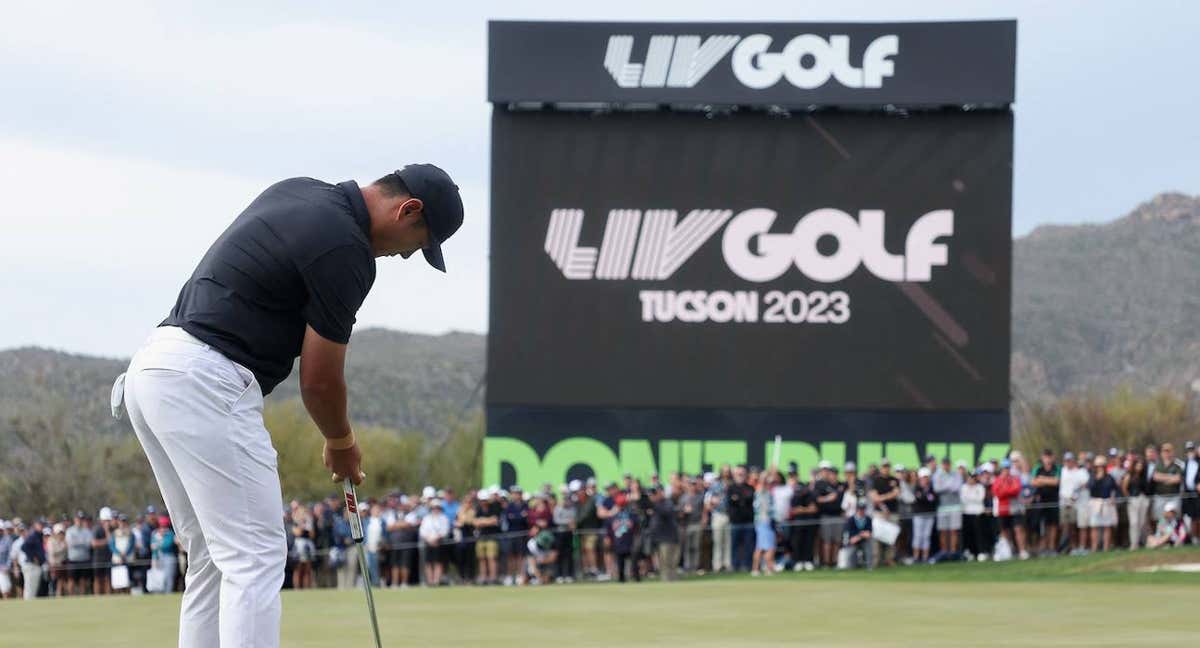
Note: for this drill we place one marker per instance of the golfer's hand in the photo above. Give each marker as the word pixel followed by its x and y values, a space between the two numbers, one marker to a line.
pixel 344 463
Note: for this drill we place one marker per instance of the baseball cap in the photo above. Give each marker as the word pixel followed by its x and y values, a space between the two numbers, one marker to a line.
pixel 443 207
pixel 1190 445
pixel 1112 452
pixel 850 467
pixel 825 464
pixel 1068 456
pixel 1170 506
pixel 924 472
pixel 1005 463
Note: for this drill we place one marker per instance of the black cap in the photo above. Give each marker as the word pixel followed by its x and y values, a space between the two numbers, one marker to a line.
pixel 443 208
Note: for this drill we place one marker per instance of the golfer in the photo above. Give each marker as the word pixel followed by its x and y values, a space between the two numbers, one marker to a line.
pixel 284 280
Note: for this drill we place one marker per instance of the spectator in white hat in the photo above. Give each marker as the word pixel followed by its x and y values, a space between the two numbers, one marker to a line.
pixel 1170 531
pixel 1102 505
pixel 434 529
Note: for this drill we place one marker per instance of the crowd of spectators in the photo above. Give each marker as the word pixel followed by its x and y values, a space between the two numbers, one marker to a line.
pixel 740 519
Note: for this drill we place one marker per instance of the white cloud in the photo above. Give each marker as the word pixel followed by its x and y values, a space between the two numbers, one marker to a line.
pixel 95 249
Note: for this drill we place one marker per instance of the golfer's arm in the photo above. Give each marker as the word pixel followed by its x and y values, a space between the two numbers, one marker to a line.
pixel 323 384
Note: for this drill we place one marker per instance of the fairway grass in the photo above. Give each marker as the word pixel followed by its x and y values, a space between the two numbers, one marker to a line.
pixel 1095 601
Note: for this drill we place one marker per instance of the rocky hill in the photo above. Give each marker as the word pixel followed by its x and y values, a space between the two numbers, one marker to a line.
pixel 1095 306
pixel 405 381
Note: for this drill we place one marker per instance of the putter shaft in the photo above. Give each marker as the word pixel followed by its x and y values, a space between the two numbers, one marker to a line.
pixel 356 532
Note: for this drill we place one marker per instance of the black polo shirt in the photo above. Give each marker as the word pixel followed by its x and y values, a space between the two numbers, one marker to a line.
pixel 299 255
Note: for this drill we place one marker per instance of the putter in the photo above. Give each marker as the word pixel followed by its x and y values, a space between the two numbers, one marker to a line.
pixel 356 531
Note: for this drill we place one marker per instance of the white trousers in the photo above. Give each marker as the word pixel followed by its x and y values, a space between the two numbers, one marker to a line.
pixel 33 579
pixel 722 542
pixel 198 416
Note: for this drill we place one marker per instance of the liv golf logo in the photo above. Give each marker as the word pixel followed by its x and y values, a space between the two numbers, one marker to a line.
pixel 654 244
pixel 807 61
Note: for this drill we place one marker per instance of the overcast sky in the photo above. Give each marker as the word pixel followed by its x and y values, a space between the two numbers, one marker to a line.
pixel 132 133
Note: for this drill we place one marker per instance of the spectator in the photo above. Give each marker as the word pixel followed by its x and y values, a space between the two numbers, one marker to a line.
pixel 340 550
pixel 853 489
pixel 1191 478
pixel 488 512
pixel 828 495
pixel 121 547
pixel 642 508
pixel 540 554
pixel 1072 503
pixel 163 559
pixel 465 536
pixel 925 506
pixel 565 512
pixel 1102 503
pixel 740 503
pixel 803 516
pixel 433 532
pixel 142 532
pixel 101 556
pixel 1006 489
pixel 857 534
pixel 6 561
pixel 1135 489
pixel 606 507
pixel 1044 514
pixel 1167 480
pixel 763 560
pixel 590 529
pixel 972 495
pixel 32 559
pixel 303 553
pixel 79 555
pixel 884 495
pixel 621 527
pixel 947 485
pixel 691 518
pixel 400 536
pixel 374 536
pixel 664 530
pixel 717 510
pixel 325 572
pixel 516 530
pixel 1170 531
pixel 908 487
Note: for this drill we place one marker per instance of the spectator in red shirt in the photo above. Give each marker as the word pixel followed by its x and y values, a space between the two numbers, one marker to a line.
pixel 1007 489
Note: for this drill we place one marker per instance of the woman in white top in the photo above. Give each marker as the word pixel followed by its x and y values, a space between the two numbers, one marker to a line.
pixel 433 531
pixel 972 494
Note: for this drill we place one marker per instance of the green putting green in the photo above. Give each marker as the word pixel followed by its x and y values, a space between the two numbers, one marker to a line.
pixel 1095 600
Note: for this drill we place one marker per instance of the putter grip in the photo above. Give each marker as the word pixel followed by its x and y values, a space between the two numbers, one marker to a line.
pixel 356 530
